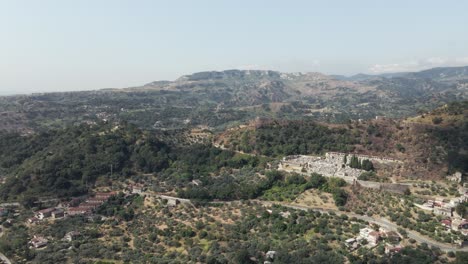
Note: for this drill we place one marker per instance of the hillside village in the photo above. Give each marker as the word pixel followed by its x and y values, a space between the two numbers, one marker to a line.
pixel 370 236
pixel 446 208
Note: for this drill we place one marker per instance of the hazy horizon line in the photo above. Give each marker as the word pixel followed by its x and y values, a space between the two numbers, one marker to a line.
pixel 7 94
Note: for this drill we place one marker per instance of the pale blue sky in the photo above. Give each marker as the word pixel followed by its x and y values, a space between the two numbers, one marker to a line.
pixel 60 45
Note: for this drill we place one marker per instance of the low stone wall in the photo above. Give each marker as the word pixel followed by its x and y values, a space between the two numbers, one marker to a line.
pixel 339 155
pixel 370 184
pixel 389 187
pixel 174 199
pixel 394 187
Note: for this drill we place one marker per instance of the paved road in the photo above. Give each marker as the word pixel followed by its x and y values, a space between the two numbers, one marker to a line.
pixel 380 221
pixel 4 259
pixel 238 151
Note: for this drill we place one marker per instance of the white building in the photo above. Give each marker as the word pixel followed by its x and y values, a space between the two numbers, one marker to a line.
pixel 38 242
pixel 370 235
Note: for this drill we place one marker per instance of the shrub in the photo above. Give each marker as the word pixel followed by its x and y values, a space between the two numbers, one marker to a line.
pixel 437 120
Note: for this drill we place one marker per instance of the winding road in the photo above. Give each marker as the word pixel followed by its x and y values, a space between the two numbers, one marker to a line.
pixel 379 221
pixel 383 222
pixel 4 259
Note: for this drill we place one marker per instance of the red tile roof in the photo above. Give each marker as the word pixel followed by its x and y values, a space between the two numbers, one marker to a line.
pixel 45 211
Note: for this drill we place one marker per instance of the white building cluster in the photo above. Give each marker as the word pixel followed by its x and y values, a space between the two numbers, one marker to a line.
pixel 371 238
pixel 332 165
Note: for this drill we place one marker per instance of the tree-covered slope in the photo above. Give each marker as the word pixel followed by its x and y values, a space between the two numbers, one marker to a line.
pixel 69 162
pixel 279 138
pixel 432 144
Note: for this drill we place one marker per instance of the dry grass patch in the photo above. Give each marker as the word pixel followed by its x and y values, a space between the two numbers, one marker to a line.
pixel 316 198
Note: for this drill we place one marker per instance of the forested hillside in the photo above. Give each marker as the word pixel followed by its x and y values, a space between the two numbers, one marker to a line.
pixel 279 138
pixel 432 144
pixel 68 162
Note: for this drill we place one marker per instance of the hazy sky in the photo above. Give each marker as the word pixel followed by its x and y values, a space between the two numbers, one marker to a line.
pixel 62 45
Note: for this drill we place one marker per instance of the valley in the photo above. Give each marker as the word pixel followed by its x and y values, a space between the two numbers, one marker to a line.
pixel 239 167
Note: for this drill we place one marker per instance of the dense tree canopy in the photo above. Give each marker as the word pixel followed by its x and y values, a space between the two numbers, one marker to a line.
pixel 68 162
pixel 295 137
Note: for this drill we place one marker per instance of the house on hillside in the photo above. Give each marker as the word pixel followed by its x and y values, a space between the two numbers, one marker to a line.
pixel 373 238
pixel 33 220
pixel 96 201
pixel 352 244
pixel 72 203
pixel 455 201
pixel 70 236
pixel 445 211
pixel 57 213
pixel 392 249
pixel 44 213
pixel 370 235
pixel 88 206
pixel 447 223
pixel 393 237
pixel 105 195
pixel 137 188
pixel 364 232
pixel 38 242
pixel 429 204
pixel 77 211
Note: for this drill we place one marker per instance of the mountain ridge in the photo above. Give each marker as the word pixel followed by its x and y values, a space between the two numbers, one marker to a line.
pixel 223 98
pixel 427 73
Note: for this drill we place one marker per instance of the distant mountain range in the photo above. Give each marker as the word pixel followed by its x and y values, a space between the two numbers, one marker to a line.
pixel 440 73
pixel 220 98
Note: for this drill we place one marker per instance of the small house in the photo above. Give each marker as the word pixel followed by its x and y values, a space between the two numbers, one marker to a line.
pixel 70 236
pixel 392 237
pixel 373 237
pixel 88 206
pixel 57 213
pixel 391 249
pixel 447 223
pixel 38 242
pixel 105 195
pixel 445 211
pixel 137 189
pixel 77 211
pixel 364 232
pixel 96 201
pixel 33 220
pixel 45 213
pixel 352 243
